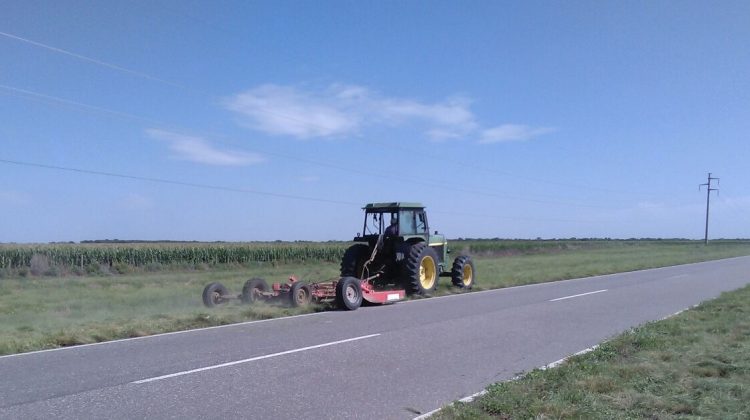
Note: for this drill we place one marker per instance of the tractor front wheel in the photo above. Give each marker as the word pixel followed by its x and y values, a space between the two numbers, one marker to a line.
pixel 463 273
pixel 348 293
pixel 214 294
pixel 421 269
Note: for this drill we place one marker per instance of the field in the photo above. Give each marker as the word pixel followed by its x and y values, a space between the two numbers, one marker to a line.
pixel 694 365
pixel 49 298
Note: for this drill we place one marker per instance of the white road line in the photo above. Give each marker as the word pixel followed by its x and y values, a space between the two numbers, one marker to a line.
pixel 148 337
pixel 472 397
pixel 578 295
pixel 552 365
pixel 564 359
pixel 468 399
pixel 252 359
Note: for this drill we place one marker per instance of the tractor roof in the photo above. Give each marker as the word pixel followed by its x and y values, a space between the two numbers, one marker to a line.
pixel 392 206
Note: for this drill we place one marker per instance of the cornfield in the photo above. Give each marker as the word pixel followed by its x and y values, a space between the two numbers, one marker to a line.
pixel 138 255
pixel 195 253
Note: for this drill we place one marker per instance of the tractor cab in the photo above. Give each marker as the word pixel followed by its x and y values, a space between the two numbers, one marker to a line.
pixel 397 224
pixel 397 219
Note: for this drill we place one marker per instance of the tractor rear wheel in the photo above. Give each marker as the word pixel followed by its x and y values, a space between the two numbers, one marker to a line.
pixel 213 294
pixel 421 269
pixel 251 291
pixel 353 260
pixel 300 294
pixel 348 293
pixel 463 273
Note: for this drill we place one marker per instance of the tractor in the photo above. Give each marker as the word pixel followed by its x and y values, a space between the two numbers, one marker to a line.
pixel 397 251
pixel 394 256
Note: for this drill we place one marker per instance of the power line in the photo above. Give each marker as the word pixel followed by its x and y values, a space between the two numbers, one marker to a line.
pixel 92 108
pixel 173 182
pixel 56 99
pixel 249 191
pixel 137 73
pixel 291 118
pixel 91 60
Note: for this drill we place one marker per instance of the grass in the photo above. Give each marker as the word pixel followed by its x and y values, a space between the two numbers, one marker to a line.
pixel 40 313
pixel 48 312
pixel 586 259
pixel 694 365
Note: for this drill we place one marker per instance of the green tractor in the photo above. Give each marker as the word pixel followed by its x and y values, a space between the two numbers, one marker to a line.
pixel 396 251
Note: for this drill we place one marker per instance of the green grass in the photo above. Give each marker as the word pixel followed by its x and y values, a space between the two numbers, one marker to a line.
pixel 46 312
pixel 40 312
pixel 583 259
pixel 694 365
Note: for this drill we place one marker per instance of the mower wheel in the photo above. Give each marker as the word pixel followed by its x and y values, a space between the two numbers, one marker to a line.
pixel 251 291
pixel 348 293
pixel 354 257
pixel 300 294
pixel 213 294
pixel 421 269
pixel 463 273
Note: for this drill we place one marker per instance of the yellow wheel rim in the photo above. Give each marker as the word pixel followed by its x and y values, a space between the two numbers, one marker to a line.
pixel 427 273
pixel 468 275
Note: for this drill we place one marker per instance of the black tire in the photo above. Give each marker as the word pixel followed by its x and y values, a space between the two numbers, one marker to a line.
pixel 252 288
pixel 213 294
pixel 348 293
pixel 354 257
pixel 463 273
pixel 421 269
pixel 300 294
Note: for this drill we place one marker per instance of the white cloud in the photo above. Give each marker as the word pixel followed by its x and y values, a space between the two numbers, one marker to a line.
pixel 512 132
pixel 449 120
pixel 196 149
pixel 343 110
pixel 286 111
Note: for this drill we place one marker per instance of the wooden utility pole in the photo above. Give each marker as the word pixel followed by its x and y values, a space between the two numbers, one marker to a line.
pixel 708 201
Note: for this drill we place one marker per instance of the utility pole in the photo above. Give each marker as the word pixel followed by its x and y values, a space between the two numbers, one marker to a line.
pixel 708 200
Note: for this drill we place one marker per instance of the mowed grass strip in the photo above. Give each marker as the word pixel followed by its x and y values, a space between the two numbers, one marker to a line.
pixel 48 312
pixel 694 365
pixel 42 313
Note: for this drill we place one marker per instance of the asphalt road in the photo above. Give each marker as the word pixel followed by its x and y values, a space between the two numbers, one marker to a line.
pixel 394 361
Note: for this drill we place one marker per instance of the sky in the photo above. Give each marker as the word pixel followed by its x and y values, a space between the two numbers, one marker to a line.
pixel 278 120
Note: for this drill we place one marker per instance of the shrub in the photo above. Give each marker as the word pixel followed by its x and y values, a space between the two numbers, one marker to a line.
pixel 93 269
pixel 121 268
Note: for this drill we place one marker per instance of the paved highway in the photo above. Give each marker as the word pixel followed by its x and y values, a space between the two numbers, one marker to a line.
pixel 394 361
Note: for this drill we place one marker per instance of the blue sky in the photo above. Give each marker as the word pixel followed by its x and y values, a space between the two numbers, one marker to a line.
pixel 239 121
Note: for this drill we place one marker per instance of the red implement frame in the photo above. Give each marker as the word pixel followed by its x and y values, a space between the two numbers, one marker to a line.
pixel 325 291
pixel 319 292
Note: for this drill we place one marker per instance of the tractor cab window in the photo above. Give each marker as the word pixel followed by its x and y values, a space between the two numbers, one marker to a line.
pixel 407 222
pixel 373 224
pixel 396 223
pixel 422 227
